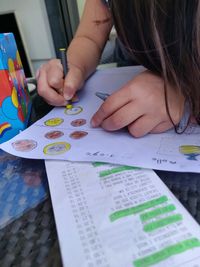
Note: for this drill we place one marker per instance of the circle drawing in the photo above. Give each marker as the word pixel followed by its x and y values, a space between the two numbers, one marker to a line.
pixel 54 134
pixel 24 145
pixel 190 151
pixel 78 122
pixel 53 122
pixel 73 110
pixel 78 134
pixel 56 148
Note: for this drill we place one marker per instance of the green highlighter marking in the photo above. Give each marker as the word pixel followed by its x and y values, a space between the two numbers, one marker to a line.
pixel 167 252
pixel 116 170
pixel 97 164
pixel 154 213
pixel 130 211
pixel 162 222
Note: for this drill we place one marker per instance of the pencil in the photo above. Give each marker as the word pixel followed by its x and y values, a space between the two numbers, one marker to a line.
pixel 102 96
pixel 63 58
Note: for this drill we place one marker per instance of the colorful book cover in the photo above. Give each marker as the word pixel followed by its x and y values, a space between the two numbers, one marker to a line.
pixel 15 102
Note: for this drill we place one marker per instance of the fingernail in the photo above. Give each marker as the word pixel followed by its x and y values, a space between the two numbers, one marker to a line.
pixel 93 123
pixel 67 96
pixel 68 93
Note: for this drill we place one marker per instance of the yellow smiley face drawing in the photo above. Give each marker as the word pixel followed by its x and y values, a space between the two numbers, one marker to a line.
pixel 53 122
pixel 56 148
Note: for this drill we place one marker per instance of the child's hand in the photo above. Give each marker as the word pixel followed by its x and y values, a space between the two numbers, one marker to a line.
pixel 51 85
pixel 140 105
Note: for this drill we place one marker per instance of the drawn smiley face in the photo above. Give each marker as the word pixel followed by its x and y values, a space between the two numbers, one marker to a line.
pixel 53 122
pixel 24 145
pixel 56 148
pixel 54 134
pixel 78 122
pixel 78 134
pixel 73 110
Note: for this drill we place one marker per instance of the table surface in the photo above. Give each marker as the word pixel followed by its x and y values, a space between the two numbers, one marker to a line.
pixel 31 240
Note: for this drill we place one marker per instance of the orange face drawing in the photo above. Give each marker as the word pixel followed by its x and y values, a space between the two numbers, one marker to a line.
pixel 54 134
pixel 24 145
pixel 78 122
pixel 78 134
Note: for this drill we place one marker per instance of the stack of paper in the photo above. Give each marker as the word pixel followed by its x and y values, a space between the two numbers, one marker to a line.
pixel 119 216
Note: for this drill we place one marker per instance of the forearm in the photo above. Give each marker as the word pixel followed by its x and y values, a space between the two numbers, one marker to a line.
pixel 85 49
pixel 84 53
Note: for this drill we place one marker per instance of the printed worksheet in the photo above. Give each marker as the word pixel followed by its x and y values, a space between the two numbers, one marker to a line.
pixel 113 216
pixel 66 134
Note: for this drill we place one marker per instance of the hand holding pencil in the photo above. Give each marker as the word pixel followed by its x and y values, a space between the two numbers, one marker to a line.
pixel 57 83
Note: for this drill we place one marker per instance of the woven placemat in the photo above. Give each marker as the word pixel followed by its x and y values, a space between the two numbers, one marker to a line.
pixel 31 240
pixel 186 187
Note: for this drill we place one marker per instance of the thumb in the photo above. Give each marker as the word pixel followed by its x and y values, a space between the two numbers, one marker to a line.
pixel 73 81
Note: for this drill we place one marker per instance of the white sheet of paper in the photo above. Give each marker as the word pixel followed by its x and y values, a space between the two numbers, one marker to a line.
pixel 166 151
pixel 114 216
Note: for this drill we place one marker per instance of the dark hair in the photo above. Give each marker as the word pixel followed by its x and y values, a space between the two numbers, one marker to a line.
pixel 164 36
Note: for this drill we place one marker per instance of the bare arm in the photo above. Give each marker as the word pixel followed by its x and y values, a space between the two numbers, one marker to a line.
pixel 83 56
pixel 93 31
